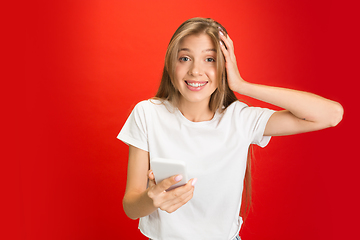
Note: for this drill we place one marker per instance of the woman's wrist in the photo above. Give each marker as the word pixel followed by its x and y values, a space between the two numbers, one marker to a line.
pixel 242 87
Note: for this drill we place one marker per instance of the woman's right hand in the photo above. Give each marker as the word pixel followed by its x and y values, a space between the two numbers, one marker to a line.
pixel 172 200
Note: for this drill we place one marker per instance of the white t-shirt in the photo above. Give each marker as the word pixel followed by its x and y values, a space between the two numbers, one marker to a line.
pixel 215 153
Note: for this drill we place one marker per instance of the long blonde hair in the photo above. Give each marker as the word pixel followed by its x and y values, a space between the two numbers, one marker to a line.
pixel 222 97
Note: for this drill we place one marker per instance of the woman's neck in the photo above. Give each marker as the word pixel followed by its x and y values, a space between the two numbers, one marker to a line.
pixel 196 112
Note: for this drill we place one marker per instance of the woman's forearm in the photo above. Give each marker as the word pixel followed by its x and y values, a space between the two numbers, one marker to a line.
pixel 138 205
pixel 303 105
pixel 317 111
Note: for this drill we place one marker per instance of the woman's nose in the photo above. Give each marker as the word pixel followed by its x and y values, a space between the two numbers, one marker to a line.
pixel 195 69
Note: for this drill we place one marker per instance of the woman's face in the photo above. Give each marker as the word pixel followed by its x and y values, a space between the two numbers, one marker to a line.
pixel 195 70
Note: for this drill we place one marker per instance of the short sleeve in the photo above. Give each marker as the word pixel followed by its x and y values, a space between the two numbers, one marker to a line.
pixel 254 120
pixel 134 131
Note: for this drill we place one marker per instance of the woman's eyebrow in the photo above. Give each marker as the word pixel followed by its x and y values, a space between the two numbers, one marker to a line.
pixel 206 50
pixel 184 49
pixel 210 50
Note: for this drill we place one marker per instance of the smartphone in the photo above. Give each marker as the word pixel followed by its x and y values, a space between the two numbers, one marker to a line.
pixel 165 168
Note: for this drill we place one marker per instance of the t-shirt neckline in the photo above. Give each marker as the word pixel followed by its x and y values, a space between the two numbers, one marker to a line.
pixel 188 122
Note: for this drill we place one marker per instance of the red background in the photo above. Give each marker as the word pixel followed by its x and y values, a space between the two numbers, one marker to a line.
pixel 87 63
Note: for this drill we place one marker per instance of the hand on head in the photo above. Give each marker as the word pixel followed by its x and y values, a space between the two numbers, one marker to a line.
pixel 233 74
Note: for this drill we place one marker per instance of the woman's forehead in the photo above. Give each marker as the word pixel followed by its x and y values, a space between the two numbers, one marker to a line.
pixel 199 42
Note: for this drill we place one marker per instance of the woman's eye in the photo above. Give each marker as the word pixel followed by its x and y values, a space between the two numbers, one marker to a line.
pixel 210 60
pixel 184 59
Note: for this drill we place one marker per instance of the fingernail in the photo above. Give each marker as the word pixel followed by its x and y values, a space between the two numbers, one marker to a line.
pixel 221 33
pixel 194 181
pixel 178 178
pixel 221 43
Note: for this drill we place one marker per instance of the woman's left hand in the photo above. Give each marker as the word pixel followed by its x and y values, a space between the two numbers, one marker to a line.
pixel 233 74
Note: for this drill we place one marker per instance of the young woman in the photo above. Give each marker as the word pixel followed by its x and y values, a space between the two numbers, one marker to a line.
pixel 195 117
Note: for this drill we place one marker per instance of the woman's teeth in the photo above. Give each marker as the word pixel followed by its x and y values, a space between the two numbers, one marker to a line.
pixel 195 84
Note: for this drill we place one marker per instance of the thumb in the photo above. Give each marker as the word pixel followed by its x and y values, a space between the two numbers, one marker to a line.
pixel 151 178
pixel 168 182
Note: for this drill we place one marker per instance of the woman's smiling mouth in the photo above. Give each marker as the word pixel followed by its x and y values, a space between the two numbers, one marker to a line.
pixel 195 85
